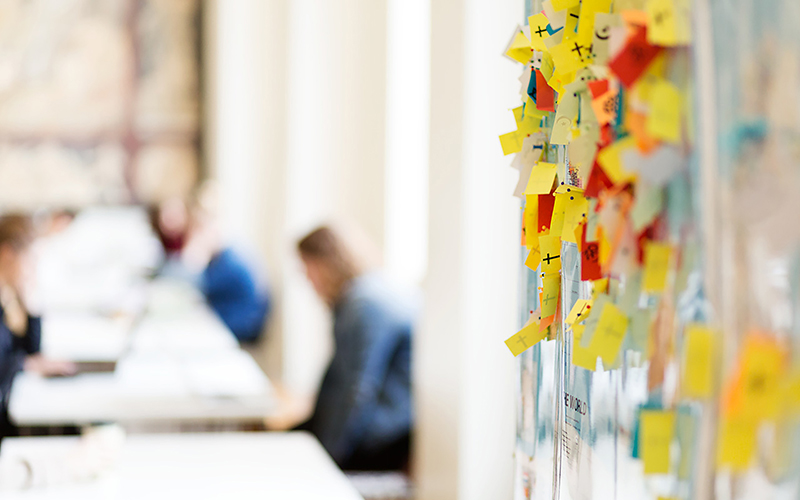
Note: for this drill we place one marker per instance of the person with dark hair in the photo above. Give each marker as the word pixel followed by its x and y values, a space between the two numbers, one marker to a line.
pixel 20 332
pixel 363 414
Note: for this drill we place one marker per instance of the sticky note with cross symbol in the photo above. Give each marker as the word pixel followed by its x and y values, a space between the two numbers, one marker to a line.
pixel 609 334
pixel 525 338
pixel 551 289
pixel 656 431
pixel 550 248
pixel 574 214
pixel 538 24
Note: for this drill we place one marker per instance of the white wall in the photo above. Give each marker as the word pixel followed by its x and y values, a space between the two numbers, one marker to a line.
pixel 464 372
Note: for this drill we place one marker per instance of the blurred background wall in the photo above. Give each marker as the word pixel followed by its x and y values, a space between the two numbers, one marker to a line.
pixel 381 112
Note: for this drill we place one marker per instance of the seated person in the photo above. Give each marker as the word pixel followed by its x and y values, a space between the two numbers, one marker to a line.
pixel 363 414
pixel 191 240
pixel 20 332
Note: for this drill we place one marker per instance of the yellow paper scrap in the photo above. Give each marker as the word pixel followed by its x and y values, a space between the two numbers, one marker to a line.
pixel 534 258
pixel 574 213
pixel 566 112
pixel 656 432
pixel 525 338
pixel 737 443
pixel 579 312
pixel 520 48
pixel 656 265
pixel 664 119
pixel 530 218
pixel 664 23
pixel 541 179
pixel 557 221
pixel 763 366
pixel 550 248
pixel 564 4
pixel 610 158
pixel 589 8
pixel 583 356
pixel 609 334
pixel 698 369
pixel 569 55
pixel 538 24
pixel 551 287
pixel 511 143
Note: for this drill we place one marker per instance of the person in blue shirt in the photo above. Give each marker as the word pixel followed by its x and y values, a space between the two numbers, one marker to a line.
pixel 363 414
pixel 20 331
pixel 228 281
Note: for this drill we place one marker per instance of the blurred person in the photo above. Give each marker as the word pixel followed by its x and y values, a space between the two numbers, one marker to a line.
pixel 363 414
pixel 193 245
pixel 20 331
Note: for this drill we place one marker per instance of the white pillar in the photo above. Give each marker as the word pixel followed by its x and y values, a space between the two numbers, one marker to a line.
pixel 464 373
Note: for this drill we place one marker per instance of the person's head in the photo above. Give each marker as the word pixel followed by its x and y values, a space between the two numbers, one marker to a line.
pixel 331 261
pixel 170 222
pixel 16 236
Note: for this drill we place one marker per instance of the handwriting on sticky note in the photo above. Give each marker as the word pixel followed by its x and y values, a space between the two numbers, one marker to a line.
pixel 609 334
pixel 551 288
pixel 656 432
pixel 542 177
pixel 525 338
pixel 634 58
pixel 657 258
pixel 534 257
pixel 698 367
pixel 550 248
pixel 538 24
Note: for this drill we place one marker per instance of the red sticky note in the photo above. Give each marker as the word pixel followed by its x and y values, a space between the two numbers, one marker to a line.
pixel 545 96
pixel 590 258
pixel 546 204
pixel 634 58
pixel 598 181
pixel 597 88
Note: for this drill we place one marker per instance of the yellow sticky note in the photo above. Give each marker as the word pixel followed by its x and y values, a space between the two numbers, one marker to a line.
pixel 736 443
pixel 551 288
pixel 564 4
pixel 538 24
pixel 541 179
pixel 589 8
pixel 698 369
pixel 656 431
pixel 664 119
pixel 574 213
pixel 664 23
pixel 550 248
pixel 525 338
pixel 610 158
pixel 511 143
pixel 579 312
pixel 656 265
pixel 570 56
pixel 534 258
pixel 530 217
pixel 609 334
pixel 566 112
pixel 583 356
pixel 520 48
pixel 557 220
pixel 763 367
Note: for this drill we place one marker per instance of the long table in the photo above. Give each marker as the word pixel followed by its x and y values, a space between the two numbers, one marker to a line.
pixel 179 364
pixel 202 466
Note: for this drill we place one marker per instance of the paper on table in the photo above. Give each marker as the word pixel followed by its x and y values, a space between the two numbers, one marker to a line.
pixel 656 433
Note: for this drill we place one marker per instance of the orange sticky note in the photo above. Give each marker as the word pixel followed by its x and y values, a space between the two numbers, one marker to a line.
pixel 655 437
pixel 605 107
